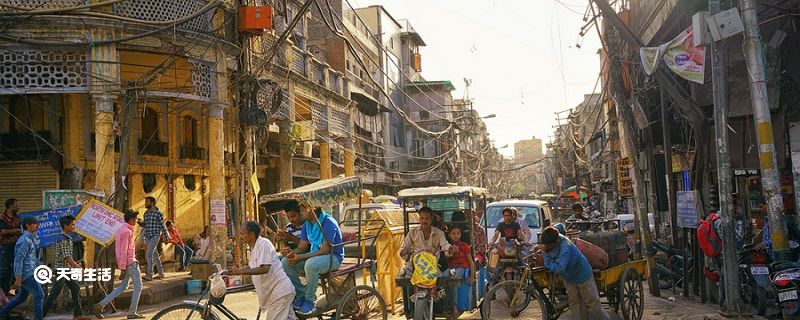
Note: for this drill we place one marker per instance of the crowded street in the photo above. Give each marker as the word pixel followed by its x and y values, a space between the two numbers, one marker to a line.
pixel 399 159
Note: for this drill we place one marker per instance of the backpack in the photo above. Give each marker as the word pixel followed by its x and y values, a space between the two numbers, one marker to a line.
pixel 707 236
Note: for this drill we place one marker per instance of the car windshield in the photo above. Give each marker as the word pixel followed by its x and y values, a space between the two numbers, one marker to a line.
pixel 529 214
pixel 351 217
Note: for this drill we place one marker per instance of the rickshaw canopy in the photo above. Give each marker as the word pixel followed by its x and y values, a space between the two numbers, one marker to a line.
pixel 320 193
pixel 440 191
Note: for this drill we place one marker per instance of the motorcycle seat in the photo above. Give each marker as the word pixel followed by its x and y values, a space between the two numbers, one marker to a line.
pixel 783 265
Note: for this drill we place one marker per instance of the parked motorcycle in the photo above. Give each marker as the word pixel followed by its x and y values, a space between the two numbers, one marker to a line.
pixel 786 281
pixel 670 265
pixel 754 277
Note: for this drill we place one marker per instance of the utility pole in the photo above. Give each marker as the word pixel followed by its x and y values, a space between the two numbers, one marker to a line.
pixel 730 273
pixel 665 127
pixel 770 181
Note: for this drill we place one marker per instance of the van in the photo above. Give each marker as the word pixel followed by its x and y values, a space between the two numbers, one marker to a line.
pixel 536 213
pixel 349 226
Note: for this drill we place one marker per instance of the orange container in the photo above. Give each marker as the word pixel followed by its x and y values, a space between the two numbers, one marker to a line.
pixel 255 19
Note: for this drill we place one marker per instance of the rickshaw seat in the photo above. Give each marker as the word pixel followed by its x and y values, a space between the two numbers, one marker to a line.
pixel 346 268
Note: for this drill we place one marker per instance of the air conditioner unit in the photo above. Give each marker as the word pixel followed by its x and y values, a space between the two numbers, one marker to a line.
pixel 308 148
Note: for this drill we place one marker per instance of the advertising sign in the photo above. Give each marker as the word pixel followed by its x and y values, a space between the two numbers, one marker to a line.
pixel 49 227
pixel 624 181
pixel 687 209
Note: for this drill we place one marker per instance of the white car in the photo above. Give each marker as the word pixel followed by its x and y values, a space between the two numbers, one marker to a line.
pixel 349 226
pixel 537 214
pixel 627 222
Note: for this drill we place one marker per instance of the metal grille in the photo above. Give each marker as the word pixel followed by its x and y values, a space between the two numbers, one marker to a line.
pixel 41 4
pixel 318 73
pixel 167 10
pixel 333 82
pixel 298 61
pixel 283 111
pixel 340 122
pixel 202 78
pixel 319 114
pixel 31 70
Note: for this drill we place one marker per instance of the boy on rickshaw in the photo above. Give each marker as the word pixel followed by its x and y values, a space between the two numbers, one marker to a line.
pixel 316 254
pixel 563 258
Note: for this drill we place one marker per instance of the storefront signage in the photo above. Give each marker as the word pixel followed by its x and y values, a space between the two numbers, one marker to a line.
pixel 305 169
pixel 624 181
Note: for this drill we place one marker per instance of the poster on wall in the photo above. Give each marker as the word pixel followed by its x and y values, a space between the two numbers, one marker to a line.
pixel 49 226
pixel 218 217
pixel 99 222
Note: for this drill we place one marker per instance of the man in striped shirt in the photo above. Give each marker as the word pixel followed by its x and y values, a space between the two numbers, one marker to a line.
pixel 64 261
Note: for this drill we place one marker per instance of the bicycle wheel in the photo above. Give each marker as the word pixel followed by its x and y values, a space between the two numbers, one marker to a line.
pixel 186 311
pixel 362 303
pixel 511 299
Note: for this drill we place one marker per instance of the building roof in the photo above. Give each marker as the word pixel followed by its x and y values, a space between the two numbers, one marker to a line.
pixel 445 83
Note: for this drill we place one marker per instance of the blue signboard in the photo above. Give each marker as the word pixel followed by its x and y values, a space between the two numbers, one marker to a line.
pixel 687 209
pixel 49 226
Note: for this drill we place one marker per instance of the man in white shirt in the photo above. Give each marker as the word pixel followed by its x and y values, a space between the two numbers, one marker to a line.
pixel 423 237
pixel 273 288
pixel 201 245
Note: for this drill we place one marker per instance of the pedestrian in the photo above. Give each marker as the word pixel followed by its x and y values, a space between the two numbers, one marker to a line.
pixel 125 252
pixel 273 287
pixel 317 253
pixel 153 229
pixel 290 236
pixel 185 253
pixel 563 258
pixel 201 244
pixel 9 234
pixel 64 261
pixel 26 260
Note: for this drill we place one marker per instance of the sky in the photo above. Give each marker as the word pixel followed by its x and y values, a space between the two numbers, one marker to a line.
pixel 521 56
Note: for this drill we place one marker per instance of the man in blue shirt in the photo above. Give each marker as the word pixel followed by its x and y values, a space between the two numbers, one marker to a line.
pixel 563 258
pixel 26 259
pixel 317 253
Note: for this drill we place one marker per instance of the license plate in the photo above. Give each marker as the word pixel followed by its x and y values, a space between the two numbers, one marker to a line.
pixel 759 270
pixel 787 295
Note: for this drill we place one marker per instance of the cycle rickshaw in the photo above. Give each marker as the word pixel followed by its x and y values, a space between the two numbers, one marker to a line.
pixel 450 204
pixel 344 299
pixel 620 285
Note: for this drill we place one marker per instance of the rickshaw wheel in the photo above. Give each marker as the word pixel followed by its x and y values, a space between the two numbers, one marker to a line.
pixel 631 296
pixel 362 303
pixel 497 302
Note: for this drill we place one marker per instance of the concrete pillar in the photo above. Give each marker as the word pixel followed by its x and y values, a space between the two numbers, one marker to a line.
pixel 324 160
pixel 349 158
pixel 104 152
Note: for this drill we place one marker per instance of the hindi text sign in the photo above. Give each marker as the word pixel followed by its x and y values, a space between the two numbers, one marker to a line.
pixel 49 226
pixel 687 209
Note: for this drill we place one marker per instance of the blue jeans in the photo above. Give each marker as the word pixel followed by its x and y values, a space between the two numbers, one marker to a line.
pixel 313 267
pixel 6 266
pixel 452 291
pixel 29 286
pixel 185 254
pixel 151 254
pixel 132 273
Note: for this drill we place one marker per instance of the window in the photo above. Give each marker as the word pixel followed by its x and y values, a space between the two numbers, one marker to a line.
pixel 150 125
pixel 529 214
pixel 189 130
pixel 424 115
pixel 148 182
pixel 417 148
pixel 189 182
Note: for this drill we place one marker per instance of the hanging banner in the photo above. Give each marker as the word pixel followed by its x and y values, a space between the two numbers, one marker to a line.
pixel 680 55
pixel 49 226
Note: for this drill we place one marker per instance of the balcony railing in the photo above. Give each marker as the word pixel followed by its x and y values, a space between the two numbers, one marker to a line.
pixel 194 153
pixel 333 82
pixel 298 61
pixel 167 10
pixel 317 73
pixel 153 148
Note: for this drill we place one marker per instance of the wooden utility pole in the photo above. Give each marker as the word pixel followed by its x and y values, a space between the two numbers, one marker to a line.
pixel 667 134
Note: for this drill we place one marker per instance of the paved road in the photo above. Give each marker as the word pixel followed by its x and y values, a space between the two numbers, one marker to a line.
pixel 244 305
